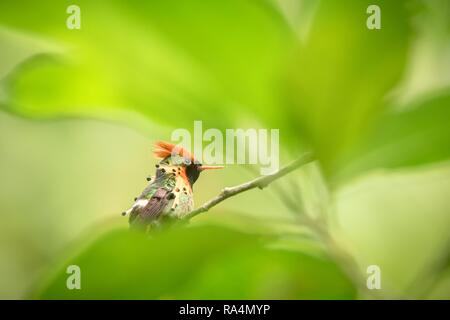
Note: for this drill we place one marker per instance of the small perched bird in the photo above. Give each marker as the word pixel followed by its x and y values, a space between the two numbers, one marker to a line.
pixel 169 192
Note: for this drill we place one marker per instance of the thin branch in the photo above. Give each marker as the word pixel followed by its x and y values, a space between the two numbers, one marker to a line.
pixel 319 226
pixel 287 200
pixel 342 258
pixel 260 182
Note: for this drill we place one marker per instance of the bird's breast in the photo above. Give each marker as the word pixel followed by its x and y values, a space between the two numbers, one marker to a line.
pixel 184 203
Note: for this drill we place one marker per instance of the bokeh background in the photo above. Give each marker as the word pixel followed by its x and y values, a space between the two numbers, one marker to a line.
pixel 80 109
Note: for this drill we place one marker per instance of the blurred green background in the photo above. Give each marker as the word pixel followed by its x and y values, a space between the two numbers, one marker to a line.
pixel 80 109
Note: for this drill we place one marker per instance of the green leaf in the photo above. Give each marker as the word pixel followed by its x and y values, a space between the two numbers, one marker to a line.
pixel 219 61
pixel 197 262
pixel 398 220
pixel 341 74
pixel 173 61
pixel 267 274
pixel 420 135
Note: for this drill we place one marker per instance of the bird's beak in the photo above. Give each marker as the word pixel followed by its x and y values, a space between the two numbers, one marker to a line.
pixel 210 167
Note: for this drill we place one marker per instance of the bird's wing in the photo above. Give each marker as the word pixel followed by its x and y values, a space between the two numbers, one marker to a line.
pixel 153 208
pixel 156 204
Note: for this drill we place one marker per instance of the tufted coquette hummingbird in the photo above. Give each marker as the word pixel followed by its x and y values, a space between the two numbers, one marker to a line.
pixel 169 192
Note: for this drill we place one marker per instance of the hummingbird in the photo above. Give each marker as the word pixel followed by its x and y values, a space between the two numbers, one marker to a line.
pixel 169 193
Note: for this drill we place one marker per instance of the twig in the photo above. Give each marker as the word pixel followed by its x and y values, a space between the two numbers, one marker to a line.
pixel 260 182
pixel 339 255
pixel 343 259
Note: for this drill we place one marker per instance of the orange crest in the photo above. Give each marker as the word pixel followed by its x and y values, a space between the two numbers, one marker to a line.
pixel 166 149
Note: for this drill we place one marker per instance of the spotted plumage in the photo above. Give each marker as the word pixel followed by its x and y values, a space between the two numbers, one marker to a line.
pixel 169 193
